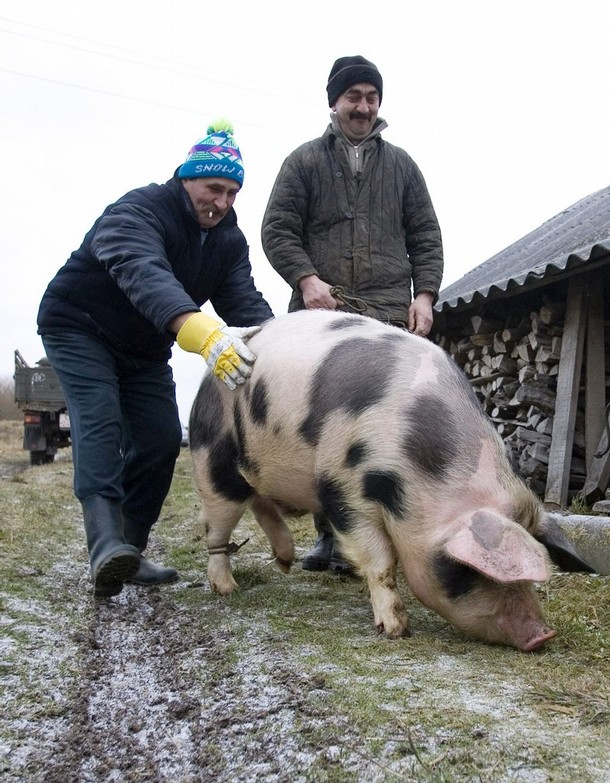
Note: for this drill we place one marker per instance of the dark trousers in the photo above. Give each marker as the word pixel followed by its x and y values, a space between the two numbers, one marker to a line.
pixel 124 424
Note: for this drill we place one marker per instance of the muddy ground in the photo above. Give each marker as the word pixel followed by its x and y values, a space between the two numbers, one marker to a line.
pixel 285 681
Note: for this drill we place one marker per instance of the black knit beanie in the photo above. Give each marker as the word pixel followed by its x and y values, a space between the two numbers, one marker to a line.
pixel 352 70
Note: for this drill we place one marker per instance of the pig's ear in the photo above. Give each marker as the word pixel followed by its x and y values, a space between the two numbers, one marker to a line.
pixel 559 547
pixel 498 547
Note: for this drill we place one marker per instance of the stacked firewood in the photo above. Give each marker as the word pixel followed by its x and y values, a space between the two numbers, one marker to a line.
pixel 512 361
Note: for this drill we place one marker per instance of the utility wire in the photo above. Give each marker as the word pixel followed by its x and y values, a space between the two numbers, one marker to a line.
pixel 177 68
pixel 131 98
pixel 97 90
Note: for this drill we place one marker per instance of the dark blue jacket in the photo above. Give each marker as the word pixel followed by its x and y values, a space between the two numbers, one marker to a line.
pixel 142 264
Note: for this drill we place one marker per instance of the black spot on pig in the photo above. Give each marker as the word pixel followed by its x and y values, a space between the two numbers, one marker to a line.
pixel 243 458
pixel 259 404
pixel 432 438
pixel 224 473
pixel 456 579
pixel 348 322
pixel 385 487
pixel 356 454
pixel 239 430
pixel 353 376
pixel 393 336
pixel 486 531
pixel 206 415
pixel 334 505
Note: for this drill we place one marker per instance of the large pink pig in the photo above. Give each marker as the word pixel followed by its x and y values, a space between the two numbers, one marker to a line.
pixel 379 430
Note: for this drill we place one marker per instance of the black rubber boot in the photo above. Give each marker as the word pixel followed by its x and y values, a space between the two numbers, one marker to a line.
pixel 148 573
pixel 338 564
pixel 113 560
pixel 318 559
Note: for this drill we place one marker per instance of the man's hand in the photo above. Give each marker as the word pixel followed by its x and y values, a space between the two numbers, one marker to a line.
pixel 221 346
pixel 316 294
pixel 420 314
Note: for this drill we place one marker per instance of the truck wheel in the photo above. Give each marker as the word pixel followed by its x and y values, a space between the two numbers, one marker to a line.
pixel 41 458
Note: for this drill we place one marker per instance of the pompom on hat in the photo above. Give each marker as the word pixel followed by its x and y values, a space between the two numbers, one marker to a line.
pixel 352 70
pixel 215 155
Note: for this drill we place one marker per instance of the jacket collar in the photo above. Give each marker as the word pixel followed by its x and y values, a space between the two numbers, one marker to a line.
pixel 334 130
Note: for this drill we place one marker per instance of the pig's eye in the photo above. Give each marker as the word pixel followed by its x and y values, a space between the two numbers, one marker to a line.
pixel 456 579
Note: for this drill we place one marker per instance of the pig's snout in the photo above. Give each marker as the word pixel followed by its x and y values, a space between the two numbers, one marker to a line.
pixel 526 633
pixel 538 640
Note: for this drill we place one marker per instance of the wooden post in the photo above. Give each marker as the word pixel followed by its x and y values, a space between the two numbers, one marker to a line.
pixel 598 473
pixel 595 368
pixel 568 383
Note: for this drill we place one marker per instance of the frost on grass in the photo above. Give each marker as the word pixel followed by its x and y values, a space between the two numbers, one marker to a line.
pixel 284 682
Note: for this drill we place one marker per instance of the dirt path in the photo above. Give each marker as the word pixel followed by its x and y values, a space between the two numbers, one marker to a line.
pixel 151 697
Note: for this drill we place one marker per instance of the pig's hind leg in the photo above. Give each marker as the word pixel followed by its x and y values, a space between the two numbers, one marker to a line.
pixel 369 547
pixel 270 518
pixel 220 516
pixel 224 495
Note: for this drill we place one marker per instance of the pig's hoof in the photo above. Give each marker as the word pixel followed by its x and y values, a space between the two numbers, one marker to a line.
pixel 397 631
pixel 224 586
pixel 220 576
pixel 283 565
pixel 223 589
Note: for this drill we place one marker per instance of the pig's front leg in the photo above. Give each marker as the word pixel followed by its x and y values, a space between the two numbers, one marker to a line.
pixel 272 522
pixel 369 547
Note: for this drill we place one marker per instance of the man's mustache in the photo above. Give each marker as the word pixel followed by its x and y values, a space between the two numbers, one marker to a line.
pixel 357 115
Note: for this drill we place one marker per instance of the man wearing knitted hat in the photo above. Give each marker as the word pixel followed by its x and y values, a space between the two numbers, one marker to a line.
pixel 108 320
pixel 350 226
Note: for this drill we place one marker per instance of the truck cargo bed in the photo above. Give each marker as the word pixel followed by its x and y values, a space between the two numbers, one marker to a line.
pixel 37 387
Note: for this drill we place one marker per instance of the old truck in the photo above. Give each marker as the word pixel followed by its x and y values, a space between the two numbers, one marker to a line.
pixel 46 424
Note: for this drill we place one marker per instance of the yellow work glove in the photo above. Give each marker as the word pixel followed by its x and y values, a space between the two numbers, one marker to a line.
pixel 221 346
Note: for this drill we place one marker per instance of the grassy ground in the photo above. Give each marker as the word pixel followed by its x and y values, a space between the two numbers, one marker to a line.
pixel 283 681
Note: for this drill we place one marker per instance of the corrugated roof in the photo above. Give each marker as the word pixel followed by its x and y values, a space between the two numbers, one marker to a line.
pixel 575 236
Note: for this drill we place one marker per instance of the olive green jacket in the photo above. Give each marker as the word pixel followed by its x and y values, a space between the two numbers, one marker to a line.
pixel 373 232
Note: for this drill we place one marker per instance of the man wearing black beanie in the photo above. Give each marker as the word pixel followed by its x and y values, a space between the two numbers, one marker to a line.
pixel 351 70
pixel 350 225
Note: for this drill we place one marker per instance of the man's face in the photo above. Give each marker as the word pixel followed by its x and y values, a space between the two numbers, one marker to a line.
pixel 356 110
pixel 212 198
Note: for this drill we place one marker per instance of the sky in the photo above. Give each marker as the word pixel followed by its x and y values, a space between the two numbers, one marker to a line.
pixel 503 106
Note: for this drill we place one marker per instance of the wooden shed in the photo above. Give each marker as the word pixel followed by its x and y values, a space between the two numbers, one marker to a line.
pixel 531 329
